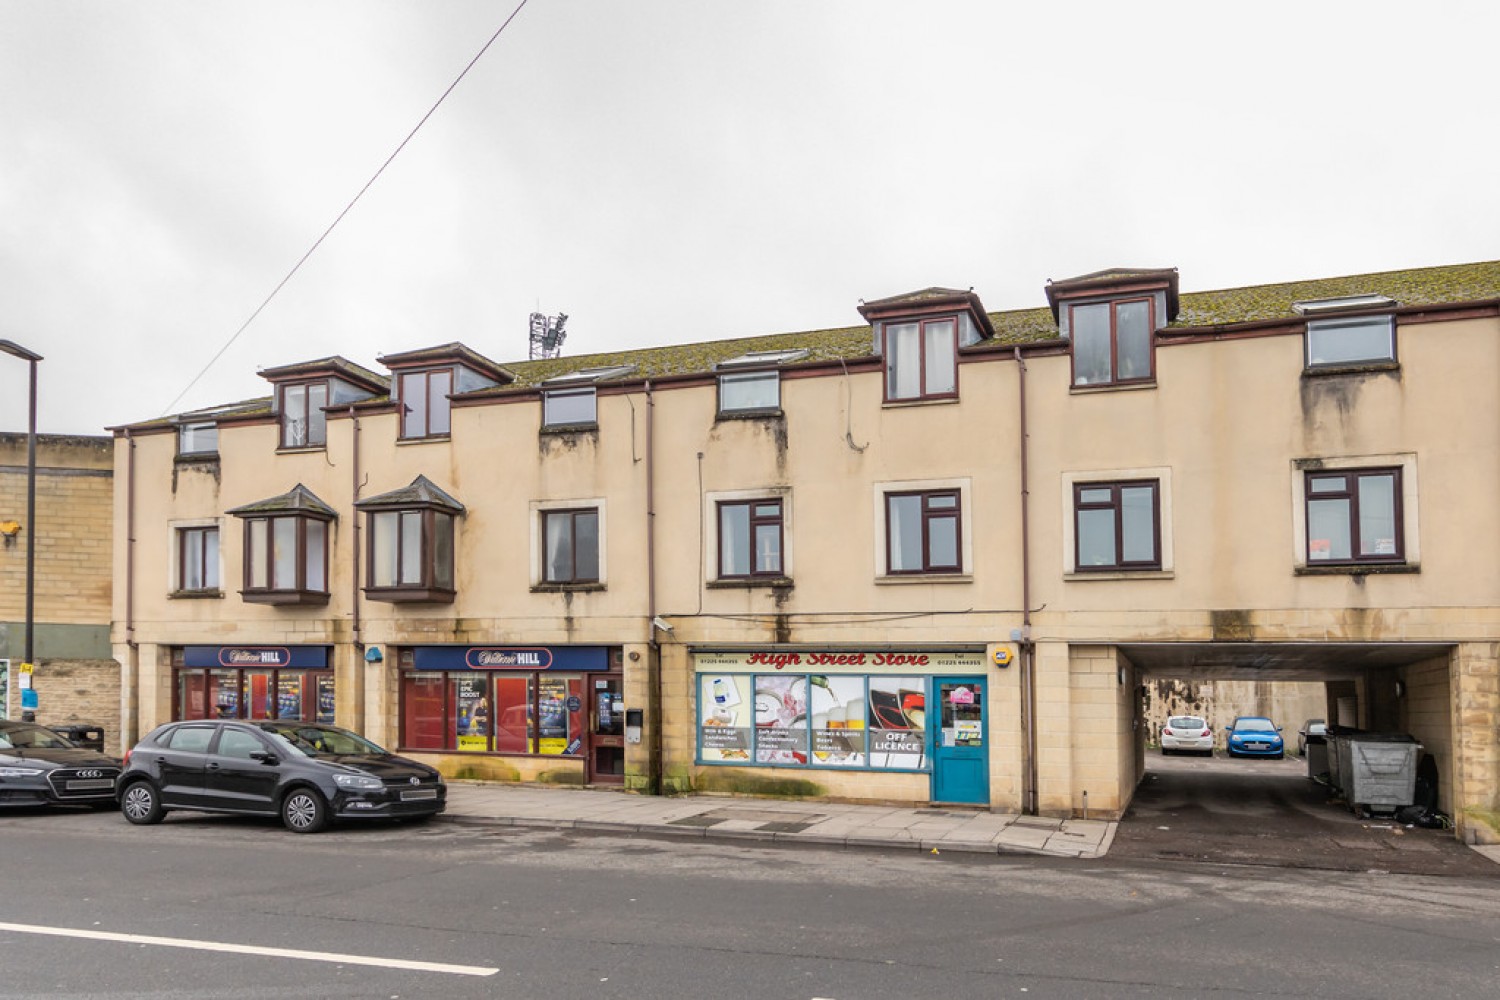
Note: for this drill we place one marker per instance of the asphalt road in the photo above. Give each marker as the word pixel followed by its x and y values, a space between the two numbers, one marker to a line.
pixel 576 916
pixel 1267 812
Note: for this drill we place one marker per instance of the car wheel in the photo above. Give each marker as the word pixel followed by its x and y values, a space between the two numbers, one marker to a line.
pixel 141 804
pixel 304 811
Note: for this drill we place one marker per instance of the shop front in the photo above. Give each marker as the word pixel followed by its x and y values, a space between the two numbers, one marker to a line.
pixel 559 702
pixel 253 682
pixel 920 712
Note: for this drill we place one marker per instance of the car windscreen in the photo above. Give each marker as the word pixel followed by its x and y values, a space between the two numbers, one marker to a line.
pixel 317 740
pixel 1186 722
pixel 1253 725
pixel 31 738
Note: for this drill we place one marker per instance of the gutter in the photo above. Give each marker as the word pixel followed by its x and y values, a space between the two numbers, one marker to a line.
pixel 358 638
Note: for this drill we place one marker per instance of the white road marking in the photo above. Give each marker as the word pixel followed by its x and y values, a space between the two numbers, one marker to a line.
pixel 248 949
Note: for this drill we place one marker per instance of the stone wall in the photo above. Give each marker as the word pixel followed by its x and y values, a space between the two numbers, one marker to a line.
pixel 1287 703
pixel 83 692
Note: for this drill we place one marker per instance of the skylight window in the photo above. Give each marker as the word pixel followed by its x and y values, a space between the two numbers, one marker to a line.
pixel 754 358
pixel 590 375
pixel 1347 303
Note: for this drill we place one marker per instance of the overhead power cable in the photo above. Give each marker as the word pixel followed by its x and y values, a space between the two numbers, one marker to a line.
pixel 340 218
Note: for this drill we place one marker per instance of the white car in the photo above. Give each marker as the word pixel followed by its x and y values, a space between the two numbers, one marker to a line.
pixel 1188 733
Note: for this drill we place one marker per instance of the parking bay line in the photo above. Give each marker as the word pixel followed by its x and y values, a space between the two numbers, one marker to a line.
pixel 248 949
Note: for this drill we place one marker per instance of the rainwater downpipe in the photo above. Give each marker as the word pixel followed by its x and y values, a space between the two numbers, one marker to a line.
pixel 653 659
pixel 360 666
pixel 1029 796
pixel 130 683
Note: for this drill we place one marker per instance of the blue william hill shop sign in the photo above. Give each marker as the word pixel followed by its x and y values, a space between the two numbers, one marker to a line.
pixel 306 657
pixel 582 659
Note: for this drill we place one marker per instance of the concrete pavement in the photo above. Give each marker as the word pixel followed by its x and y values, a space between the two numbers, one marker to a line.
pixel 825 824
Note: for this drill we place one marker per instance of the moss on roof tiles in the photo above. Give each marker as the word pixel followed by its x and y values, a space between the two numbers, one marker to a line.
pixel 1417 287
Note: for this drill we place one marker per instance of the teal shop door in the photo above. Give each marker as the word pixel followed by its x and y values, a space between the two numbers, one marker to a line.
pixel 960 746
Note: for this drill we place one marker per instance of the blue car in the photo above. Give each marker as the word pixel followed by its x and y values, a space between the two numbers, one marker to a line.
pixel 1254 736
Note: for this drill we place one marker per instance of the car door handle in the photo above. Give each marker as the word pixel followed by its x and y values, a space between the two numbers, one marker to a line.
pixel 213 767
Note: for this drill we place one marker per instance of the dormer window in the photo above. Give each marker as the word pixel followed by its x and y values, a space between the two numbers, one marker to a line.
pixel 424 400
pixel 425 382
pixel 1110 319
pixel 1112 341
pixel 303 423
pixel 743 388
pixel 304 390
pixel 1336 341
pixel 919 336
pixel 572 400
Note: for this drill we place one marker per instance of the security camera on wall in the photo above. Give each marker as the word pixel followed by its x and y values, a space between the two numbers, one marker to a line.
pixel 659 622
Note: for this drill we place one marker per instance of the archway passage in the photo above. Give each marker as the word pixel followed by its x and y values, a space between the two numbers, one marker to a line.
pixel 1290 810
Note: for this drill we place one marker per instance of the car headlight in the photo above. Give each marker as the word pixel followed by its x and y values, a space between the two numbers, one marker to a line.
pixel 19 772
pixel 358 782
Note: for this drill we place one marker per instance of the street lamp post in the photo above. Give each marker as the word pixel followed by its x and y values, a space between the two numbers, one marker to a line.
pixel 31 357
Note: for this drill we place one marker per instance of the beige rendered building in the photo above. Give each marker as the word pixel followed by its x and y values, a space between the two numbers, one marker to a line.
pixel 935 557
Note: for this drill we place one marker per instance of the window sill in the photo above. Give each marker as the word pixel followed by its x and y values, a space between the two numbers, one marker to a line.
pixel 302 449
pixel 896 404
pixel 769 414
pixel 1120 574
pixel 309 598
pixel 198 458
pixel 1359 569
pixel 1086 390
pixel 906 578
pixel 410 595
pixel 1351 368
pixel 565 429
pixel 567 588
pixel 430 439
pixel 751 583
pixel 195 595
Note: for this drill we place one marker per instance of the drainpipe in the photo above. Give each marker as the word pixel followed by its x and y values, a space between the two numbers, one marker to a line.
pixel 360 666
pixel 653 661
pixel 130 682
pixel 1029 796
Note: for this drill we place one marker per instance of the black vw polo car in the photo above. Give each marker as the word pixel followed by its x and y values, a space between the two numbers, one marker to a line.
pixel 39 767
pixel 306 773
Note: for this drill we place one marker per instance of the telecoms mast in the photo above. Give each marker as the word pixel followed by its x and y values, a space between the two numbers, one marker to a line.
pixel 547 335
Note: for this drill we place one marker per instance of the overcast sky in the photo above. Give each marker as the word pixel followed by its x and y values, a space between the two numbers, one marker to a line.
pixel 667 171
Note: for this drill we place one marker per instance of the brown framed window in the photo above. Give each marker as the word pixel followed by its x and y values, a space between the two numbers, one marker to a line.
pixel 570 407
pixel 1117 526
pixel 921 359
pixel 571 546
pixel 198 440
pixel 1113 342
pixel 410 555
pixel 286 560
pixel 303 423
pixel 1332 343
pixel 425 406
pixel 198 559
pixel 1354 516
pixel 533 713
pixel 924 532
pixel 750 539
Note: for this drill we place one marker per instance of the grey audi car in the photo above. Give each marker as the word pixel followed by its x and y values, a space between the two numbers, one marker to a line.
pixel 39 767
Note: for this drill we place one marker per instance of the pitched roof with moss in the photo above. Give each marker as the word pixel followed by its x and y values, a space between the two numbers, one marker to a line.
pixel 298 500
pixel 1449 284
pixel 1454 283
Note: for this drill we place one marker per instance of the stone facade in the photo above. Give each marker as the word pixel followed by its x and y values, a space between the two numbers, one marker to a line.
pixel 75 679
